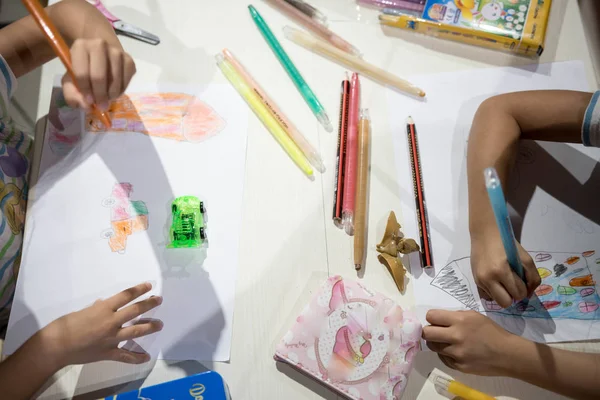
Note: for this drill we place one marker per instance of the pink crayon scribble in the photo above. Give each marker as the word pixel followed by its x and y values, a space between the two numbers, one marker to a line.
pixel 126 216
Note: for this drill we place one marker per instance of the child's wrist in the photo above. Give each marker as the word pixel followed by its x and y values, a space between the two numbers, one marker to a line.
pixel 51 348
pixel 515 356
pixel 481 230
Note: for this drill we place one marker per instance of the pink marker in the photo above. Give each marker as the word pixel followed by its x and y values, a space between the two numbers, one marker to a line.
pixel 351 156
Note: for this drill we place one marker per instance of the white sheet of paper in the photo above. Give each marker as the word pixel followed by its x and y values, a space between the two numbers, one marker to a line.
pixel 68 263
pixel 553 198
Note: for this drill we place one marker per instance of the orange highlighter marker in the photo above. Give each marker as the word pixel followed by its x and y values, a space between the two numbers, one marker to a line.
pixel 59 46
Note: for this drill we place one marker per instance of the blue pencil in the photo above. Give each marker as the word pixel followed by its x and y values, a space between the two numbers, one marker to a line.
pixel 494 189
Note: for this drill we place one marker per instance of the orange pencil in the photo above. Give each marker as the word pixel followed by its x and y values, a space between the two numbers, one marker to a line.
pixel 59 46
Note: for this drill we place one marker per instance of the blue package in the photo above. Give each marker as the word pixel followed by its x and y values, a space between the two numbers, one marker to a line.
pixel 205 386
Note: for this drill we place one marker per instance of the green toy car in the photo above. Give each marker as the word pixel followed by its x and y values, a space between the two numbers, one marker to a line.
pixel 188 228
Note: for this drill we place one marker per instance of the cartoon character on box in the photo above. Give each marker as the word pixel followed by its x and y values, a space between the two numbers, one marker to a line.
pixel 365 340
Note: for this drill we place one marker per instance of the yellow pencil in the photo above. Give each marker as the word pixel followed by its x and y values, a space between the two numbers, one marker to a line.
pixel 263 113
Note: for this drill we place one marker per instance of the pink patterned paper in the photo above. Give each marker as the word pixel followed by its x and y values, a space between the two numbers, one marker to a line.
pixel 358 342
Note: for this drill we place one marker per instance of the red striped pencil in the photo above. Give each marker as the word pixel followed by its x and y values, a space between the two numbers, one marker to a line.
pixel 340 167
pixel 421 206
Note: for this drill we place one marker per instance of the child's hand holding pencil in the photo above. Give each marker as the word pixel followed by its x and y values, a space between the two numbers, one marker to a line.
pixel 102 73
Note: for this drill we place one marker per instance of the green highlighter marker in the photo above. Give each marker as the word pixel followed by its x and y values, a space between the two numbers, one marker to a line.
pixel 291 70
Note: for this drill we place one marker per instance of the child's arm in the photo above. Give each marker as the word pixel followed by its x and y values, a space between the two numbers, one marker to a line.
pixel 89 335
pixel 498 125
pixel 472 343
pixel 103 69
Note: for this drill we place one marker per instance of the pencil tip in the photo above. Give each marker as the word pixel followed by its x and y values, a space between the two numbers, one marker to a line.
pixel 410 120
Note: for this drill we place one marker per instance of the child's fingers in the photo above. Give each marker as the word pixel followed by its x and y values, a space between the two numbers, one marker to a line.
pixel 80 59
pixel 72 96
pixel 135 310
pixel 440 317
pixel 128 357
pixel 128 70
pixel 439 348
pixel 499 294
pixel 99 72
pixel 448 361
pixel 142 328
pixel 115 86
pixel 437 334
pixel 531 274
pixel 514 286
pixel 128 295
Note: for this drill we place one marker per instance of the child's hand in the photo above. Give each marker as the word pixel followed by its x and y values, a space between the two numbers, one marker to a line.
pixel 103 73
pixel 469 342
pixel 94 333
pixel 493 274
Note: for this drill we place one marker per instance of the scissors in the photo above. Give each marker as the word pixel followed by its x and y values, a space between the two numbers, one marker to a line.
pixel 123 27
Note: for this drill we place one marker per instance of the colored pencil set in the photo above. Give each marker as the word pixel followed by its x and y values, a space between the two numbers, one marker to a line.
pixel 351 185
pixel 352 162
pixel 396 6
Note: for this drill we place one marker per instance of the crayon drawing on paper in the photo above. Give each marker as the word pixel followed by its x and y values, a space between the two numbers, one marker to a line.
pixel 126 217
pixel 175 116
pixel 568 289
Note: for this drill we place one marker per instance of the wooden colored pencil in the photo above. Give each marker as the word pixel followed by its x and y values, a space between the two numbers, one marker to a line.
pixel 362 190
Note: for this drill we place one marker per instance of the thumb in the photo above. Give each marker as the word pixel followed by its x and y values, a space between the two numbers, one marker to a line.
pixel 72 95
pixel 128 357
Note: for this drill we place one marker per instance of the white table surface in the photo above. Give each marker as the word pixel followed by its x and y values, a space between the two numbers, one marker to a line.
pixel 287 238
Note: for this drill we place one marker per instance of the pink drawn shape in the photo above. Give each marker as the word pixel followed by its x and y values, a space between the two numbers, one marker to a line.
pixel 586 292
pixel 341 346
pixel 119 213
pixel 201 121
pixel 365 349
pixel 122 191
pixel 587 307
pixel 338 296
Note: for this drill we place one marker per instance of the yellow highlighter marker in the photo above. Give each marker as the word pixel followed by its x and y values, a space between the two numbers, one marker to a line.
pixel 459 389
pixel 263 113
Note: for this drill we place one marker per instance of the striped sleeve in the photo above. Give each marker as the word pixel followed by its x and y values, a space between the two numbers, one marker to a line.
pixel 590 130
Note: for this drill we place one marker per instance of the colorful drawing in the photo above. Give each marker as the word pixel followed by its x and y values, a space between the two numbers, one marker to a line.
pixel 542 257
pixel 587 307
pixel 586 280
pixel 587 254
pixel 587 291
pixel 572 260
pixel 564 290
pixel 559 269
pixel 568 293
pixel 550 304
pixel 500 17
pixel 544 272
pixel 126 216
pixel 543 290
pixel 175 116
